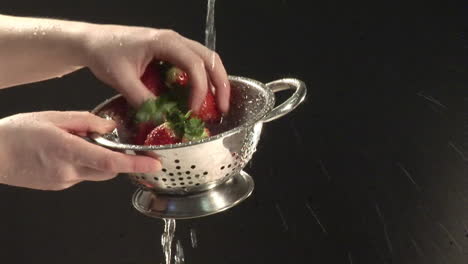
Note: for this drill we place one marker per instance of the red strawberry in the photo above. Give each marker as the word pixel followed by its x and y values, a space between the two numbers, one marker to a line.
pixel 209 111
pixel 162 135
pixel 142 131
pixel 152 78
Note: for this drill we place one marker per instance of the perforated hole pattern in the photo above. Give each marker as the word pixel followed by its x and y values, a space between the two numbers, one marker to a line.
pixel 186 176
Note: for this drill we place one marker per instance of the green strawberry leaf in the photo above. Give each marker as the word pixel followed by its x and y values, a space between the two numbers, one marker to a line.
pixel 194 129
pixel 146 110
pixel 177 121
pixel 156 110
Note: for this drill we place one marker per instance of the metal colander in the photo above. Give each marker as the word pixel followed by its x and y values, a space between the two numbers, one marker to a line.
pixel 199 166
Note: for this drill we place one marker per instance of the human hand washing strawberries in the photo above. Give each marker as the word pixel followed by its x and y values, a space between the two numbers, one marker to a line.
pixel 167 119
pixel 172 104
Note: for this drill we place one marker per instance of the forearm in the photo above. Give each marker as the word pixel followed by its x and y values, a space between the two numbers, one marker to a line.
pixel 35 49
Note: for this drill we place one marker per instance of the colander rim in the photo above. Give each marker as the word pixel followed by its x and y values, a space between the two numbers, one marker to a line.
pixel 270 101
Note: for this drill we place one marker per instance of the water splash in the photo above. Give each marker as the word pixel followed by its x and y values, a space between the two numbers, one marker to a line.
pixel 324 170
pixel 431 99
pixel 316 218
pixel 417 247
pixel 458 150
pixel 167 237
pixel 193 237
pixel 179 254
pixel 408 175
pixel 452 238
pixel 283 220
pixel 350 258
pixel 382 219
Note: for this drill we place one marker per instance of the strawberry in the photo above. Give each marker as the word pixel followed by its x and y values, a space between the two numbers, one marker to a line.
pixel 152 78
pixel 162 135
pixel 209 111
pixel 163 120
pixel 142 131
pixel 178 128
pixel 175 76
pixel 150 114
pixel 177 81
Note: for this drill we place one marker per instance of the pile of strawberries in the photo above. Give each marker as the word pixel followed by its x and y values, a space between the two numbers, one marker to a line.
pixel 167 118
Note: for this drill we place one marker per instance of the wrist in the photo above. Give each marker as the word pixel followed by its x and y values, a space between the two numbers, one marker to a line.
pixel 77 38
pixel 88 35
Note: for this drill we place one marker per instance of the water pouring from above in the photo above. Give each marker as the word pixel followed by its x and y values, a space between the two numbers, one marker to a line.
pixel 210 30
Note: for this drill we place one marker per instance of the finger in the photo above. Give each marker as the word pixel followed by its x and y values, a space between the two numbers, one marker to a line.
pixel 217 73
pixel 99 158
pixel 91 174
pixel 175 51
pixel 80 122
pixel 130 86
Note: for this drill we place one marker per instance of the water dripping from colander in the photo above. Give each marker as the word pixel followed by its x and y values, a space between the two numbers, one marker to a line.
pixel 167 237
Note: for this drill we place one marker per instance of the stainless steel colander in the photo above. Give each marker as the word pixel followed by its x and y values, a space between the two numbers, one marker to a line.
pixel 194 167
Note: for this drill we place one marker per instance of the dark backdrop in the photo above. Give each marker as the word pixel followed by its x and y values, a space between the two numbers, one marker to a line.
pixel 370 169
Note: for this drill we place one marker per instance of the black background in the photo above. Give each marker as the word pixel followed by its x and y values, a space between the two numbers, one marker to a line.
pixel 386 85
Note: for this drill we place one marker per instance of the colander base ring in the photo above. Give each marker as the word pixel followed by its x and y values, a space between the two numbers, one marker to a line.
pixel 218 199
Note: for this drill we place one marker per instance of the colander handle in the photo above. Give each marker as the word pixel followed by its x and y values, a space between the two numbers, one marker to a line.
pixel 292 102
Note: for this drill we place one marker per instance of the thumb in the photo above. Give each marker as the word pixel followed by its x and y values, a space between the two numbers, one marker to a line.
pixel 76 121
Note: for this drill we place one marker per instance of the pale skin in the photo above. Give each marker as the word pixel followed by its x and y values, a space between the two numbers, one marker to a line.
pixel 43 150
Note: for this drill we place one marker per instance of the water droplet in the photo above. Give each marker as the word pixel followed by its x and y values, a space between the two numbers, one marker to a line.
pixel 193 237
pixel 120 44
pixel 179 257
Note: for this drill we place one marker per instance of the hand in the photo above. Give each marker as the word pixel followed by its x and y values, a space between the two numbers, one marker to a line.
pixel 118 55
pixel 41 151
